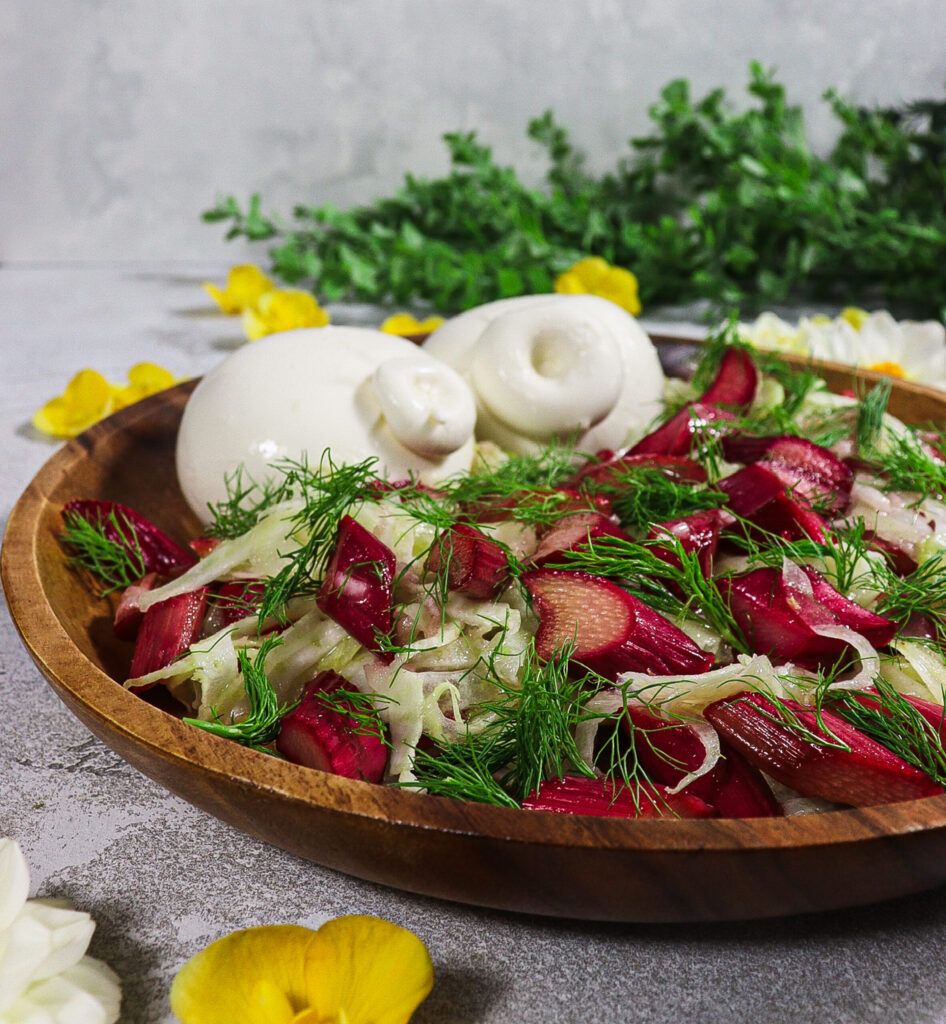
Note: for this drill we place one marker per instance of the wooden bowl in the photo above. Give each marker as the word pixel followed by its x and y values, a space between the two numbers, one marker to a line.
pixel 593 868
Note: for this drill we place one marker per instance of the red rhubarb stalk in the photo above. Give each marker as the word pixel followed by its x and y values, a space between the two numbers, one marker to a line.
pixel 817 754
pixel 601 798
pixel 608 629
pixel 167 630
pixel 143 541
pixel 331 738
pixel 475 565
pixel 356 590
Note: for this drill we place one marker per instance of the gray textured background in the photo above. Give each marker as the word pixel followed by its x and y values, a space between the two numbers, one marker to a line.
pixel 121 119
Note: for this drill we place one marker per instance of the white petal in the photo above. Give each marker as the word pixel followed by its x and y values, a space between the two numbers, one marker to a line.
pixel 14 882
pixel 87 993
pixel 43 941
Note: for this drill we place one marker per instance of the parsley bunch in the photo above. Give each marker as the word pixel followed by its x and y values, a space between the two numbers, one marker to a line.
pixel 728 206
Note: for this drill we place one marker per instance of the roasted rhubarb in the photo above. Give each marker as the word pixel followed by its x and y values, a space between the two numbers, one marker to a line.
pixel 602 798
pixel 328 732
pixel 781 617
pixel 606 628
pixel 167 630
pixel 356 590
pixel 817 753
pixel 668 751
pixel 142 541
pixel 473 564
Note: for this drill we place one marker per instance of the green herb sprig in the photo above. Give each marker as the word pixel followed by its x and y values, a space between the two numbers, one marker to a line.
pixel 261 725
pixel 716 203
pixel 112 564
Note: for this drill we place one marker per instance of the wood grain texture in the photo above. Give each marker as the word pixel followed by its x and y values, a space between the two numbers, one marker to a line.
pixel 604 869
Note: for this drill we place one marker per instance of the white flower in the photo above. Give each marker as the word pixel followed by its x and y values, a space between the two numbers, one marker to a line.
pixel 45 976
pixel 908 349
pixel 772 332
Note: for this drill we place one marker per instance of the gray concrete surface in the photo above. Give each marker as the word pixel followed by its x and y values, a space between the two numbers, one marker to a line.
pixel 162 879
pixel 122 119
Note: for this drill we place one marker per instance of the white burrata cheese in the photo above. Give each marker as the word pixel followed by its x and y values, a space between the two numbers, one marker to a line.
pixel 357 392
pixel 554 366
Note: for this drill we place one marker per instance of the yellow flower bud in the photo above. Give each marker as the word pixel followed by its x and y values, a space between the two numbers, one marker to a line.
pixel 282 309
pixel 595 276
pixel 403 324
pixel 245 284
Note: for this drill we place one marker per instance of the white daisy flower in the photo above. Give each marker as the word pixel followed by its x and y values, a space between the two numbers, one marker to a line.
pixel 909 350
pixel 45 976
pixel 769 331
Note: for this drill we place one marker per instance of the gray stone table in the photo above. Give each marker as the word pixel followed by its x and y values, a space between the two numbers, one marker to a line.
pixel 163 879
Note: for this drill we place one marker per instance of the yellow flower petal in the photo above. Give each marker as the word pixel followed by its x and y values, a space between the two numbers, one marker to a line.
pixel 222 983
pixel 143 379
pixel 372 970
pixel 854 316
pixel 245 284
pixel 87 398
pixel 404 324
pixel 891 369
pixel 353 970
pixel 282 310
pixel 595 276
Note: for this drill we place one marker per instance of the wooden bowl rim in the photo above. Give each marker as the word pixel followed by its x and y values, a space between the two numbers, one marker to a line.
pixel 78 679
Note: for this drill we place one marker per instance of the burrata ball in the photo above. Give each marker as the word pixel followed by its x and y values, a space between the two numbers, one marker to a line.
pixel 546 367
pixel 357 392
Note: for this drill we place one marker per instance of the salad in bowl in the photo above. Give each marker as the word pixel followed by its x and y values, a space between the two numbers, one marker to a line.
pixel 738 612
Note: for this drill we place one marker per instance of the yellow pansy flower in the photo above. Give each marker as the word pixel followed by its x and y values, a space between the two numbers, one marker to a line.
pixel 282 309
pixel 245 284
pixel 403 324
pixel 89 397
pixel 143 379
pixel 353 970
pixel 595 276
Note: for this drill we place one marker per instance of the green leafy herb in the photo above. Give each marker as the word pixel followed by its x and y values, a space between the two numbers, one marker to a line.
pixel 261 725
pixel 114 564
pixel 644 496
pixel 529 738
pixel 870 415
pixel 921 592
pixel 716 203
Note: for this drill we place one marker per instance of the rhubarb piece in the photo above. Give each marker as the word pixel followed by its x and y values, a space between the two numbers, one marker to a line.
pixel 757 495
pixel 735 382
pixel 601 798
pixel 668 751
pixel 615 470
pixel 128 615
pixel 780 620
pixel 574 532
pixel 734 386
pixel 356 590
pixel 167 631
pixel 229 602
pixel 817 754
pixel 675 437
pixel 143 541
pixel 806 469
pixel 475 565
pixel 609 630
pixel 697 533
pixel 202 546
pixel 333 738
